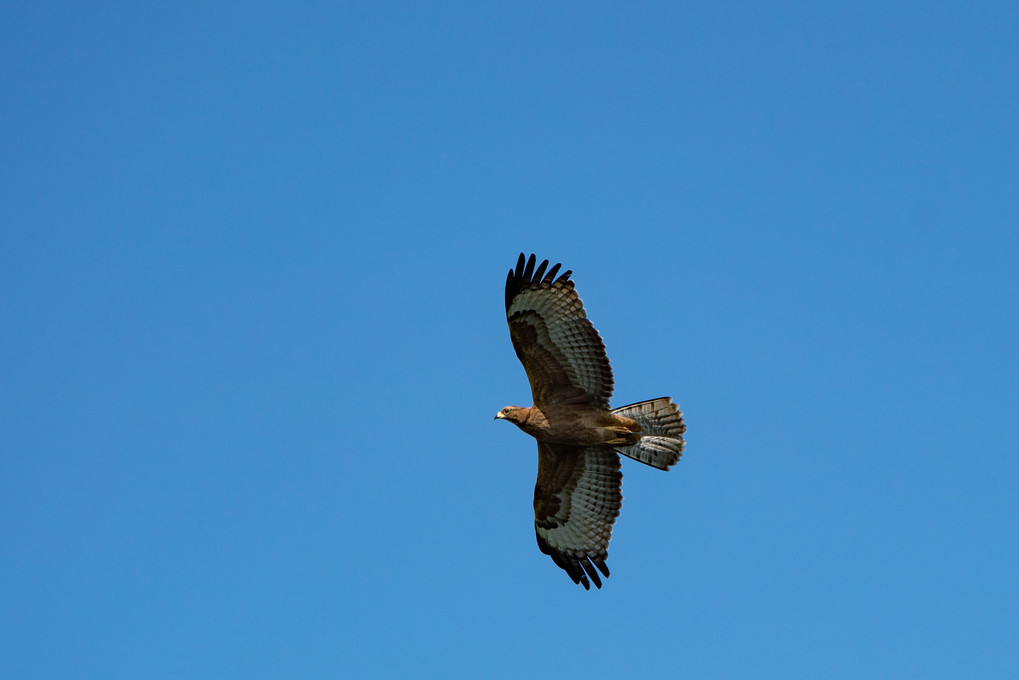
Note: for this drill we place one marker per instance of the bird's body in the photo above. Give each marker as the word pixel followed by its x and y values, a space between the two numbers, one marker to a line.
pixel 577 495
pixel 578 426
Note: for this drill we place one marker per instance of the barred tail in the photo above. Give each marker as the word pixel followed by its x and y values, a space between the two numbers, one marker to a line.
pixel 662 427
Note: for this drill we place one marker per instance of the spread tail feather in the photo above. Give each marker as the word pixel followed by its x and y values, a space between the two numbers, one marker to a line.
pixel 662 427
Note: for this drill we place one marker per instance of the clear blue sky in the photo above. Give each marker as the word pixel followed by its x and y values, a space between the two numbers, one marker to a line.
pixel 251 269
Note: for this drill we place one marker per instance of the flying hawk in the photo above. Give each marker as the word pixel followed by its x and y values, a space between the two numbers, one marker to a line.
pixel 579 489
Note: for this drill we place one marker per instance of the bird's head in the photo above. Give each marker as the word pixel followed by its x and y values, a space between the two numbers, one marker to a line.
pixel 514 414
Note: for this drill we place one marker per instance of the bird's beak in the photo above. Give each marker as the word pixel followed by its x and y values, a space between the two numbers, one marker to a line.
pixel 498 415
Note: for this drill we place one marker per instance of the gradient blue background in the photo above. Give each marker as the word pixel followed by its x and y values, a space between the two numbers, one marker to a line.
pixel 251 271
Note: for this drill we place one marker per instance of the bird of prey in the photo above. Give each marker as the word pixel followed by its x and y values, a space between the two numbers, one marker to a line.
pixel 579 489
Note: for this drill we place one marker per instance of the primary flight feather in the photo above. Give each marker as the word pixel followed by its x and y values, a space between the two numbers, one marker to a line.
pixel 578 492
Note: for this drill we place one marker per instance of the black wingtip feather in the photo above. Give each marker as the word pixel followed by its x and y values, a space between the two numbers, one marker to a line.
pixel 575 567
pixel 529 269
pixel 591 571
pixel 525 274
pixel 539 273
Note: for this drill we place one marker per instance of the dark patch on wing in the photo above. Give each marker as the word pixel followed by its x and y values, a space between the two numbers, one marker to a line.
pixel 562 352
pixel 577 498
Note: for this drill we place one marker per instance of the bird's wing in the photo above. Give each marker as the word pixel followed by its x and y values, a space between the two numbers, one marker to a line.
pixel 577 498
pixel 561 351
